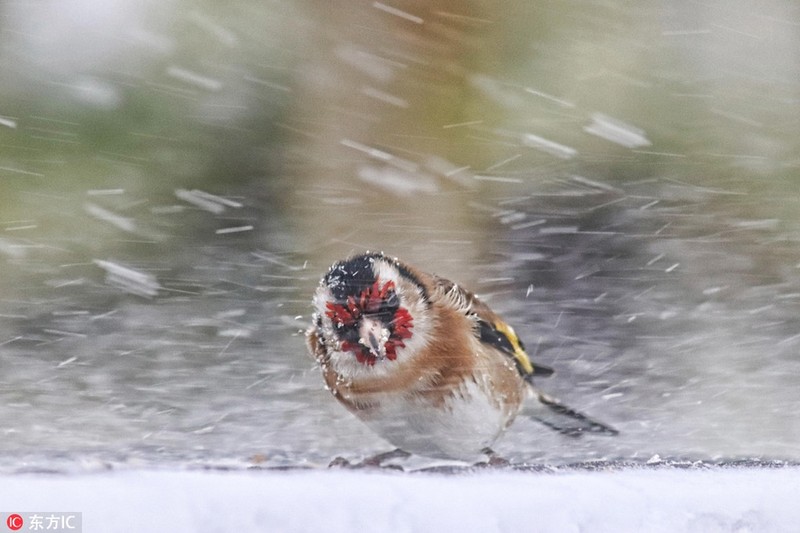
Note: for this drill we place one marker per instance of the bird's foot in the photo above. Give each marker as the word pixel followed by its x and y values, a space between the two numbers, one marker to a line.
pixel 492 460
pixel 376 461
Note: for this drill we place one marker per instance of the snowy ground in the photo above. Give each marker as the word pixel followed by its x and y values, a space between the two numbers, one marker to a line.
pixel 707 500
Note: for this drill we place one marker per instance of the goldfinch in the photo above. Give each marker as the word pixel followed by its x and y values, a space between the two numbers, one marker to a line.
pixel 423 362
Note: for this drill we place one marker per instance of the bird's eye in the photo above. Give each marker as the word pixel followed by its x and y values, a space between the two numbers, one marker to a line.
pixel 349 334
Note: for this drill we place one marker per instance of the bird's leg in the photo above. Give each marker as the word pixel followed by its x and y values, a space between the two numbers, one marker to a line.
pixel 376 461
pixel 494 460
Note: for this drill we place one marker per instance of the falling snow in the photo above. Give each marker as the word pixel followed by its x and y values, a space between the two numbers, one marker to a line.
pixel 618 182
pixel 617 131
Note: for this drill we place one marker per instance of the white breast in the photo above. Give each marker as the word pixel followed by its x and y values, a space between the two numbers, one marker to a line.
pixel 468 423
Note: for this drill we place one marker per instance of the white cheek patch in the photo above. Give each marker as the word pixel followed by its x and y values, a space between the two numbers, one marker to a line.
pixel 345 363
pixel 385 272
pixel 410 298
pixel 322 296
pixel 421 327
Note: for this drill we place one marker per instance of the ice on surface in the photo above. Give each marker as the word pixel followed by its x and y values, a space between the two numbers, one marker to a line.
pixel 753 500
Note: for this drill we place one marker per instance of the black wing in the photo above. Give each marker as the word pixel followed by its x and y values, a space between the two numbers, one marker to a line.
pixel 503 338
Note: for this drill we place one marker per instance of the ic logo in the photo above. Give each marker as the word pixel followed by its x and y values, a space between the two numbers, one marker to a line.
pixel 14 522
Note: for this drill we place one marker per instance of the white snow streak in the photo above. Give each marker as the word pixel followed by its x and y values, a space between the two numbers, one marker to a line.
pixel 617 131
pixel 550 147
pixel 129 280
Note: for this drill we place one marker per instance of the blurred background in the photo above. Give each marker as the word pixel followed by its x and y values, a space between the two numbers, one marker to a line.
pixel 619 179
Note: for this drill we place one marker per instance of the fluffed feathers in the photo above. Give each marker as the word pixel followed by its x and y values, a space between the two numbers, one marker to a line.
pixel 423 362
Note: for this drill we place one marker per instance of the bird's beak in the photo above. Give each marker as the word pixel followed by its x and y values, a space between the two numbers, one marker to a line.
pixel 373 336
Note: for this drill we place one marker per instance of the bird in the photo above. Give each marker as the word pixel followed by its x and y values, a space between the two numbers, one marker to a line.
pixel 424 363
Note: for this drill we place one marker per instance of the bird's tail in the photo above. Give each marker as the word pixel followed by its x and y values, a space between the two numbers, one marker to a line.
pixel 566 420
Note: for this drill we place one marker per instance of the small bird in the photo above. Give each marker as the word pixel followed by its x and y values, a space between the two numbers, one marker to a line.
pixel 423 362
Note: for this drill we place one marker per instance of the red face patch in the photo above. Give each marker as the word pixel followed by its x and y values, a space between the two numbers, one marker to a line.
pixel 376 300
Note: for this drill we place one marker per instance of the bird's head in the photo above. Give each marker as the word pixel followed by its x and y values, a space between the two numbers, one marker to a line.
pixel 371 310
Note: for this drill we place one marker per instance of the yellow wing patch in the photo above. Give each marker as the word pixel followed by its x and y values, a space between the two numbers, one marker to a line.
pixel 519 354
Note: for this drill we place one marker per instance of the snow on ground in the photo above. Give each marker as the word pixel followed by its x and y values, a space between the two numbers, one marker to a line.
pixel 719 499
